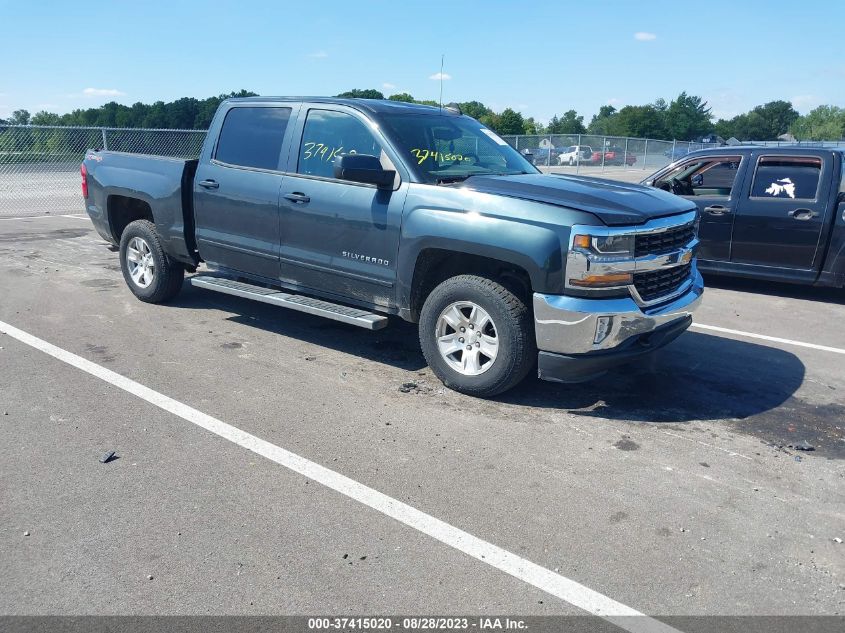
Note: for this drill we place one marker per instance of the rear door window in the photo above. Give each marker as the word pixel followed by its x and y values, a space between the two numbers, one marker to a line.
pixel 252 137
pixel 787 177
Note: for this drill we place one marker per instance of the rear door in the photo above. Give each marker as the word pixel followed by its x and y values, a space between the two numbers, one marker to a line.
pixel 713 182
pixel 780 220
pixel 339 237
pixel 236 189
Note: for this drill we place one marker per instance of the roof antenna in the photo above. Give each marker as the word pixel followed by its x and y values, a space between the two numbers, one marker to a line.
pixel 442 57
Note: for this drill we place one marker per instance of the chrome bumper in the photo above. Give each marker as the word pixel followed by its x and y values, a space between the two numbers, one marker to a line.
pixel 567 325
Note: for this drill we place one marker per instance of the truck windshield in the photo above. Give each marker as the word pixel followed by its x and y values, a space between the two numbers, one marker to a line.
pixel 446 148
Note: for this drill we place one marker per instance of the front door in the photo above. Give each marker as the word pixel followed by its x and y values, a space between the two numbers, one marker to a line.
pixel 236 193
pixel 713 183
pixel 779 223
pixel 337 236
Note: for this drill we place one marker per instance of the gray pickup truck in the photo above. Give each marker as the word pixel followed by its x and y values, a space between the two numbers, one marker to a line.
pixel 359 209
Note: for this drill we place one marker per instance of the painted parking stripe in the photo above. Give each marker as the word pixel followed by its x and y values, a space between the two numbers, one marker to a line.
pixel 564 588
pixel 773 339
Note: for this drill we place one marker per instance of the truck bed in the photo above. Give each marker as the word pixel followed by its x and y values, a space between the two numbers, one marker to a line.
pixel 119 182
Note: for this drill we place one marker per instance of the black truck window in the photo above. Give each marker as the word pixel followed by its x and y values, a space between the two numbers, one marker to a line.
pixel 252 137
pixel 787 177
pixel 329 134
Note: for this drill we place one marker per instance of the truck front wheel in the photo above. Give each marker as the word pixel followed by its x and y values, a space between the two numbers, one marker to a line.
pixel 149 273
pixel 477 336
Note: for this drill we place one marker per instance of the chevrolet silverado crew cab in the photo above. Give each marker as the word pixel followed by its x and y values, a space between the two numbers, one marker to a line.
pixel 772 213
pixel 359 209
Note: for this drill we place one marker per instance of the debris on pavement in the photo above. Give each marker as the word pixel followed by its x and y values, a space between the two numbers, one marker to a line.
pixel 837 540
pixel 26 533
pixel 803 446
pixel 107 457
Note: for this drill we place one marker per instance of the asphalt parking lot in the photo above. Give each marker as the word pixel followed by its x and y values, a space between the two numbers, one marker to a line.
pixel 671 488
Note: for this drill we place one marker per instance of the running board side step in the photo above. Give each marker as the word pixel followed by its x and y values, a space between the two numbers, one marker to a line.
pixel 300 303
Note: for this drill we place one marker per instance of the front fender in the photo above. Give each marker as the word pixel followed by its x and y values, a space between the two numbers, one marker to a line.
pixel 528 235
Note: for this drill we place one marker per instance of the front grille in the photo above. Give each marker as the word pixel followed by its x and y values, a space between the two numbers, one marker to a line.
pixel 659 283
pixel 664 241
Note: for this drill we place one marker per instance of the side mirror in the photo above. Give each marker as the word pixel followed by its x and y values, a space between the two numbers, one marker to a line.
pixel 697 180
pixel 363 168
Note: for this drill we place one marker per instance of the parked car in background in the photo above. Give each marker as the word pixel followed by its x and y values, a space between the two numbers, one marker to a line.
pixel 674 153
pixel 612 156
pixel 773 213
pixel 541 156
pixel 574 154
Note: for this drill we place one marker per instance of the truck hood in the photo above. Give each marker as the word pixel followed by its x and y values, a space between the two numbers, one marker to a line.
pixel 614 203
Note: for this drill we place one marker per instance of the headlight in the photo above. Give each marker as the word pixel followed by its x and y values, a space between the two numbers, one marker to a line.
pixel 618 245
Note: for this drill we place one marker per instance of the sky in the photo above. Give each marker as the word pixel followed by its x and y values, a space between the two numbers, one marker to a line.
pixel 541 58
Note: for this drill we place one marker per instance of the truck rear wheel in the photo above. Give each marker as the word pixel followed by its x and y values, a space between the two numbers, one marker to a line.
pixel 150 274
pixel 477 336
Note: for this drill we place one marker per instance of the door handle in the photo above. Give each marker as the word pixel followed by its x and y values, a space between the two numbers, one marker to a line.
pixel 803 214
pixel 209 184
pixel 716 209
pixel 298 198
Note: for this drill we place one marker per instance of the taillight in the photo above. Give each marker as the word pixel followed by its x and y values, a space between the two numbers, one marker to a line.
pixel 84 173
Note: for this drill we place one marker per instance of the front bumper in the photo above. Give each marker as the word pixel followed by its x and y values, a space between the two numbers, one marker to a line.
pixel 566 331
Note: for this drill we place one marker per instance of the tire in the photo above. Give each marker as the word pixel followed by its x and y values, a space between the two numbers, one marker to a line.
pixel 150 274
pixel 513 355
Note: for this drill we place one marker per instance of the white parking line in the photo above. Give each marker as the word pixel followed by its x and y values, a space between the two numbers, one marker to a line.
pixel 763 337
pixel 41 217
pixel 564 588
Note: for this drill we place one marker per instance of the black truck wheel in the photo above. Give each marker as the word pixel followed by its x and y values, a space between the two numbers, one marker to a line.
pixel 150 274
pixel 477 336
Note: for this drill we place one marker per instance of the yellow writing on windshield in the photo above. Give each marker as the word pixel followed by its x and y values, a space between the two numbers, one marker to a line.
pixel 423 155
pixel 320 151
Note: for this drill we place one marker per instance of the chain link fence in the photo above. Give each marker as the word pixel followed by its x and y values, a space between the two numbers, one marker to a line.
pixel 616 156
pixel 39 165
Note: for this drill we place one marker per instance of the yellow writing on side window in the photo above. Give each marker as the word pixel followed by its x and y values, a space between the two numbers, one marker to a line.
pixel 320 151
pixel 423 155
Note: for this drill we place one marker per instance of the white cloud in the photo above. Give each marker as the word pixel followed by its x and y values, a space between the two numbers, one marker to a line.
pixel 644 36
pixel 804 102
pixel 388 86
pixel 318 55
pixel 614 101
pixel 439 76
pixel 102 92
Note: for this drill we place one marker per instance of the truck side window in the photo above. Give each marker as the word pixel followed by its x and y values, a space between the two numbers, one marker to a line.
pixel 252 137
pixel 329 134
pixel 702 177
pixel 787 177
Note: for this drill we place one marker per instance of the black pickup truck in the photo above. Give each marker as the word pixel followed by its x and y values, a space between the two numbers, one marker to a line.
pixel 354 210
pixel 773 213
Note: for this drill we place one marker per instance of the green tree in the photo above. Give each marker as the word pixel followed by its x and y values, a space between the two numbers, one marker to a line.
pixel 688 118
pixel 510 122
pixel 475 109
pixel 763 123
pixel 643 121
pixel 825 123
pixel 20 117
pixel 357 93
pixel 569 123
pixel 602 122
pixel 402 96
pixel 530 126
pixel 45 118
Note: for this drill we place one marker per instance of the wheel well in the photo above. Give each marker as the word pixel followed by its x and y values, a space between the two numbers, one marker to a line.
pixel 123 210
pixel 435 266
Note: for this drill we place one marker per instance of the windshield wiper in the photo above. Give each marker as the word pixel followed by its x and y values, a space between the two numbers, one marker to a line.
pixel 442 180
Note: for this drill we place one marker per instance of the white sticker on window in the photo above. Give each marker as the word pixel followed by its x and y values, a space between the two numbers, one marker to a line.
pixel 782 186
pixel 493 136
